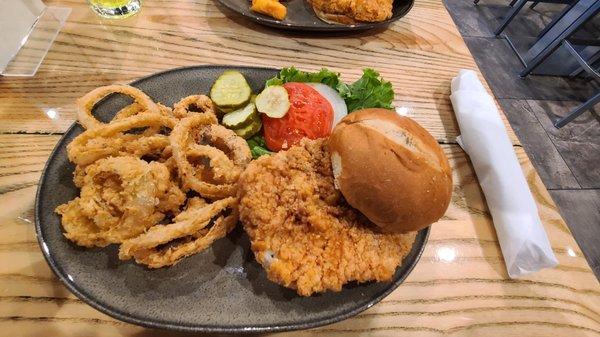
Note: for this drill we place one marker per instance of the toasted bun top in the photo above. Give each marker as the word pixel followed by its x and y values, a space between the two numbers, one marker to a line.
pixel 390 169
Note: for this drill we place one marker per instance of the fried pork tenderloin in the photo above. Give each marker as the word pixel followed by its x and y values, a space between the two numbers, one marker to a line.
pixel 302 230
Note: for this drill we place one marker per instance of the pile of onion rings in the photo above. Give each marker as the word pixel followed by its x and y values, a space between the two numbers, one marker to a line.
pixel 160 181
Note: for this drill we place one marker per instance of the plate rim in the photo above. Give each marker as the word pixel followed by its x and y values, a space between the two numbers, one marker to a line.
pixel 106 308
pixel 266 21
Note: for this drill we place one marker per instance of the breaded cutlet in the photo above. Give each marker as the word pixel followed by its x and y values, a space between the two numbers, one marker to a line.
pixel 303 232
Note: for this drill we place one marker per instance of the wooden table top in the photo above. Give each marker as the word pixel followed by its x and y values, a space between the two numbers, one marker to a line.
pixel 460 286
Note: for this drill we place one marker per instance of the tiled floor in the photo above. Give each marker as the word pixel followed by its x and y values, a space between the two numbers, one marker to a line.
pixel 567 159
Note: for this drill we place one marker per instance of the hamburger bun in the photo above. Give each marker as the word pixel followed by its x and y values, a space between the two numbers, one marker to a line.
pixel 390 169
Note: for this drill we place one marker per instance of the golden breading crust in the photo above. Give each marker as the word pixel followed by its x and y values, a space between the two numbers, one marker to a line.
pixel 351 11
pixel 303 232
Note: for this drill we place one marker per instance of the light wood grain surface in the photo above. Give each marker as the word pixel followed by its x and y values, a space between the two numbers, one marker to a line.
pixel 460 286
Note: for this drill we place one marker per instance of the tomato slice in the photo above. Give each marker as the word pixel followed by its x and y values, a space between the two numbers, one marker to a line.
pixel 310 115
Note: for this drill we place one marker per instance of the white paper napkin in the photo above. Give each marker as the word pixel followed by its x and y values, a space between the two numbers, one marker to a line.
pixel 524 243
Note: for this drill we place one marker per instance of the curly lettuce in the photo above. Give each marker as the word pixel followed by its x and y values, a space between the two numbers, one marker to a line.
pixel 369 91
pixel 258 146
pixel 292 74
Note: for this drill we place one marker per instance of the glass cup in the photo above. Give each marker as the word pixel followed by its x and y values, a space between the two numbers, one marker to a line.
pixel 115 9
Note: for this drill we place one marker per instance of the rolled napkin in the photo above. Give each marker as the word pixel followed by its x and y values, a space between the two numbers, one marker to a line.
pixel 523 241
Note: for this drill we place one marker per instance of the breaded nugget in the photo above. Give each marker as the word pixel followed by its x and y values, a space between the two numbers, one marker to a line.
pixel 350 11
pixel 303 232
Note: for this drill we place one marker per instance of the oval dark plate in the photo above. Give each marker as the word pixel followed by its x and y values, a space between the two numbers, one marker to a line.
pixel 221 289
pixel 300 16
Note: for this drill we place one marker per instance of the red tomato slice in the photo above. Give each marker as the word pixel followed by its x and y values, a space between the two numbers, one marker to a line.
pixel 310 115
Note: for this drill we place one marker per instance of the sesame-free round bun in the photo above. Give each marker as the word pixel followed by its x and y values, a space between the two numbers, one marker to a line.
pixel 390 169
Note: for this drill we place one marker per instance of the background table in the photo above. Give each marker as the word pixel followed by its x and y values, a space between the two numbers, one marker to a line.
pixel 460 286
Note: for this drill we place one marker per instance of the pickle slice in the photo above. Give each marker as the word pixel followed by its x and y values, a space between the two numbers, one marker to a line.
pixel 251 129
pixel 239 118
pixel 273 101
pixel 230 90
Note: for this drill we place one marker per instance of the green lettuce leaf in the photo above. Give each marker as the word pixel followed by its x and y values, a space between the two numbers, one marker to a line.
pixel 292 74
pixel 258 146
pixel 369 91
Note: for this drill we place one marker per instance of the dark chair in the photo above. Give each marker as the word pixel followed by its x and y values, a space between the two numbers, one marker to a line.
pixel 512 3
pixel 561 32
pixel 517 5
pixel 586 65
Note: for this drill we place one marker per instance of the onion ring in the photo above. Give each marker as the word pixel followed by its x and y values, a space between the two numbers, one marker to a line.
pixel 136 170
pixel 134 109
pixel 218 174
pixel 109 139
pixel 86 103
pixel 216 166
pixel 128 111
pixel 227 141
pixel 189 226
pixel 193 104
pixel 119 199
pixel 145 145
pixel 165 110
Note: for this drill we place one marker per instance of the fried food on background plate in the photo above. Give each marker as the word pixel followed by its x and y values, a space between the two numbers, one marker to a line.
pixel 304 233
pixel 272 8
pixel 352 11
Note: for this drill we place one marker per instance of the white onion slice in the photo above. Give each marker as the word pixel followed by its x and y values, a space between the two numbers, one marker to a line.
pixel 340 110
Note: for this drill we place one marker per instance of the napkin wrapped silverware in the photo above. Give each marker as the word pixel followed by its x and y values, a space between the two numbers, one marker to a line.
pixel 522 238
